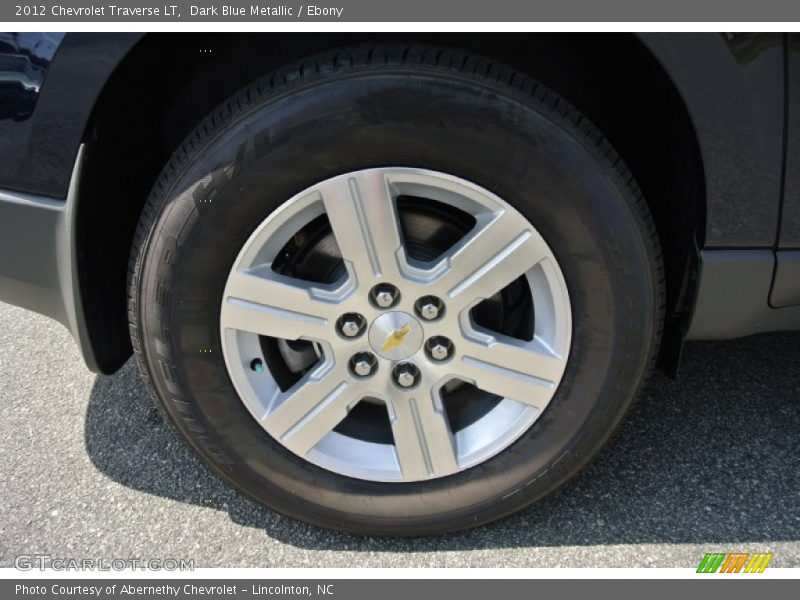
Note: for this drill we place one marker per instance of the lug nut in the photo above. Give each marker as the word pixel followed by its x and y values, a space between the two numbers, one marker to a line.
pixel 384 295
pixel 384 299
pixel 362 368
pixel 439 348
pixel 363 364
pixel 406 375
pixel 429 308
pixel 351 325
pixel 429 311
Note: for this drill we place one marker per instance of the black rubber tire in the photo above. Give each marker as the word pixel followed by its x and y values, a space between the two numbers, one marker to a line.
pixel 415 106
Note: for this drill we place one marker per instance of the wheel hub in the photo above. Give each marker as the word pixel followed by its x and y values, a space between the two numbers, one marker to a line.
pixel 396 336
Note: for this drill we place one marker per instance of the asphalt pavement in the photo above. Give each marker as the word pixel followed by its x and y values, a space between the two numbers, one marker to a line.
pixel 707 462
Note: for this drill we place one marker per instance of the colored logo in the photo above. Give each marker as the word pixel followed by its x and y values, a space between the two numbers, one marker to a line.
pixel 734 562
pixel 396 338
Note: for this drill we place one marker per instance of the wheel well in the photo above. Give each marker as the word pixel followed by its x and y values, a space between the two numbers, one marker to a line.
pixel 168 83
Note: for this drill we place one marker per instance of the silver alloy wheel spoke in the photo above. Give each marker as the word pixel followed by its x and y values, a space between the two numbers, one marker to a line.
pixel 260 301
pixel 309 411
pixel 361 208
pixel 363 217
pixel 507 383
pixel 486 262
pixel 422 439
pixel 533 359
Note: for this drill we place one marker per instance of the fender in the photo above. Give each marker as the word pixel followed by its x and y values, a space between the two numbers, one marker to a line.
pixel 732 86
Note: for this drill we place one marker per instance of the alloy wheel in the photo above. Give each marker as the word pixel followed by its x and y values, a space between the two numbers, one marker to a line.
pixel 393 332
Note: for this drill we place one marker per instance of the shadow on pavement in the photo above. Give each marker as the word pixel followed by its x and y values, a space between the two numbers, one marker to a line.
pixel 713 458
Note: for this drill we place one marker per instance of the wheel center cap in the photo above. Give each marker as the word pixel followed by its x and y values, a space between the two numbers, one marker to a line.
pixel 396 335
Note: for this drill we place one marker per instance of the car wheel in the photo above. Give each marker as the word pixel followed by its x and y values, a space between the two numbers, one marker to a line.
pixel 395 290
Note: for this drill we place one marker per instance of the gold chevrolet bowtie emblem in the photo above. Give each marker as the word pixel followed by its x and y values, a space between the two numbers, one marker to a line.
pixel 396 338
